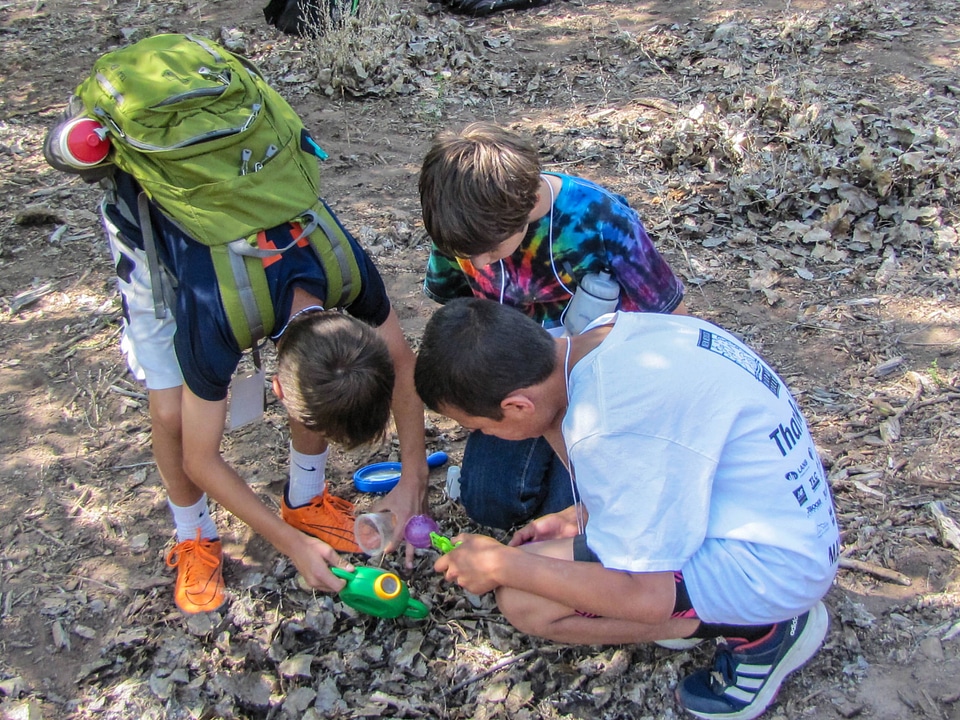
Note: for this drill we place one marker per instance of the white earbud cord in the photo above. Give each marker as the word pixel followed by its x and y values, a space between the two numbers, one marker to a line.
pixel 298 313
pixel 553 265
pixel 503 280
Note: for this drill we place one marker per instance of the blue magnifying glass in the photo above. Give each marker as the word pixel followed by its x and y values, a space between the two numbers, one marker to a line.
pixel 383 476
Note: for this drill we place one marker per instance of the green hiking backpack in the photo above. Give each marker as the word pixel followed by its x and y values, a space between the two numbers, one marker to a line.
pixel 225 157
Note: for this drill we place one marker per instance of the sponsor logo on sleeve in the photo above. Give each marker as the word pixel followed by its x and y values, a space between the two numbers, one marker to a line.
pixel 815 481
pixel 800 493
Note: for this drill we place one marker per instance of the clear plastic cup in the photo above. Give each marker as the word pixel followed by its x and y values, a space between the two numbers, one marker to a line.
pixel 374 531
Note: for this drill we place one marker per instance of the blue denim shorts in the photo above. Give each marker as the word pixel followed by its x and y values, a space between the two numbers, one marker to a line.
pixel 506 483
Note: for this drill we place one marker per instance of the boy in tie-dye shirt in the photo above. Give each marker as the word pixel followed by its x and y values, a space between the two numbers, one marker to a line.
pixel 504 230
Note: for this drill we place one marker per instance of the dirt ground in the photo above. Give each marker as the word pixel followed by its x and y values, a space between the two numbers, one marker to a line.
pixel 796 162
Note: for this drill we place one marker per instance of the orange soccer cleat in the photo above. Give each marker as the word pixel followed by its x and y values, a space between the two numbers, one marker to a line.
pixel 325 517
pixel 199 577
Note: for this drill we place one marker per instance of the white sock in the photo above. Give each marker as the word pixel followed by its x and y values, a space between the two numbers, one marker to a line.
pixel 307 476
pixel 190 519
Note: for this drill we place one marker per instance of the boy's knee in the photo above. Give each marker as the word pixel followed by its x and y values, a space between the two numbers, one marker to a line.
pixel 165 413
pixel 508 483
pixel 515 607
pixel 522 610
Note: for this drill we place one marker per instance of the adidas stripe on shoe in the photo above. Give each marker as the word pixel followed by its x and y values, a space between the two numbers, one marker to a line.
pixel 746 677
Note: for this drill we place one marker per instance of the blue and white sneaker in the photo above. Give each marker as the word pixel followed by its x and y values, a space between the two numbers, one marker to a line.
pixel 746 677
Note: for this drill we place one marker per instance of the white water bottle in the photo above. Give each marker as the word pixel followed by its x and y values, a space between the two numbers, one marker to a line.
pixel 597 294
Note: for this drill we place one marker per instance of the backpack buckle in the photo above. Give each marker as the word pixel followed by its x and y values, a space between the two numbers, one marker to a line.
pixel 244 246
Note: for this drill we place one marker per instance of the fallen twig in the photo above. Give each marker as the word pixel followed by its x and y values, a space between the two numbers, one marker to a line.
pixel 127 393
pixel 49 537
pixel 875 570
pixel 489 671
pixel 939 399
pixel 134 465
pixel 28 297
pixel 103 322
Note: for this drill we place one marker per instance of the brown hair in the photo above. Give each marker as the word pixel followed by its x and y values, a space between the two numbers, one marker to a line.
pixel 475 352
pixel 337 376
pixel 477 188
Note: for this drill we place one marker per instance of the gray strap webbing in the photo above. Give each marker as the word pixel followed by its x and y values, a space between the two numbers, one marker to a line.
pixel 339 251
pixel 112 197
pixel 248 300
pixel 153 259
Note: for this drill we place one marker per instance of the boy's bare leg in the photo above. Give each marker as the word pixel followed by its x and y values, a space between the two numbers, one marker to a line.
pixel 305 440
pixel 536 615
pixel 168 446
pixel 198 558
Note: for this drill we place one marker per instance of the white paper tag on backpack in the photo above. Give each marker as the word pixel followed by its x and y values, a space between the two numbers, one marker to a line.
pixel 246 398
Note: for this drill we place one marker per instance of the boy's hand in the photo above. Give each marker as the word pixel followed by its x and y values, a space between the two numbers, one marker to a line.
pixel 473 564
pixel 313 558
pixel 405 500
pixel 549 527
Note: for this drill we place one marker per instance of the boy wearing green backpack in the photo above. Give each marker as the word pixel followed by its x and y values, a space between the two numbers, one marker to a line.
pixel 193 303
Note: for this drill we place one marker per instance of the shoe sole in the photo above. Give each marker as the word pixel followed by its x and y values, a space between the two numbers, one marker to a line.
pixel 805 648
pixel 679 643
pixel 200 611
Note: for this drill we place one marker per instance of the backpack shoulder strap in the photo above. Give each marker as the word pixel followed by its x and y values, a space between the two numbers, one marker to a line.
pixel 337 258
pixel 244 292
pixel 163 297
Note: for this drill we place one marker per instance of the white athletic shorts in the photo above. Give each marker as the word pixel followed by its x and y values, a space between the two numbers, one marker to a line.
pixel 146 340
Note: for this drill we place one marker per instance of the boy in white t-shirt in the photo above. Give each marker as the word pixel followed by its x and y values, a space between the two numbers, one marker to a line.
pixel 705 511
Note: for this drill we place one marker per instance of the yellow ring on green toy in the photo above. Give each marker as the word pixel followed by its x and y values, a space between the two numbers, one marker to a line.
pixel 387 586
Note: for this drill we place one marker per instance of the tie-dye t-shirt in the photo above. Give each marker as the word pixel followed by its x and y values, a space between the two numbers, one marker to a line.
pixel 593 230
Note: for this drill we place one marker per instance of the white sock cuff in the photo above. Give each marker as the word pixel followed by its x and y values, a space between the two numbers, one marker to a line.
pixel 307 476
pixel 196 508
pixel 191 518
pixel 309 463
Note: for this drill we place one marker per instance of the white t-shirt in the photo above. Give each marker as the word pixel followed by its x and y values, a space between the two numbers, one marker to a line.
pixel 690 454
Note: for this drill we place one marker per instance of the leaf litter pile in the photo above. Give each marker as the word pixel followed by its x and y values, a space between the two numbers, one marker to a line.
pixel 809 206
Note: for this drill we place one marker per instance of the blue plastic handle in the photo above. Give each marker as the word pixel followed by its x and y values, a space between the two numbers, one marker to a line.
pixel 435 460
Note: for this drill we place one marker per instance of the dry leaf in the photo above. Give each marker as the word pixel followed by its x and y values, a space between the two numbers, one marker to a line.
pixel 297 666
pixel 61 641
pixel 890 430
pixel 887 367
pixel 763 280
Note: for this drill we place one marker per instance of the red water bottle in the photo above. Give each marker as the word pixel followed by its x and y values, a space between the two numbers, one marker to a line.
pixel 83 143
